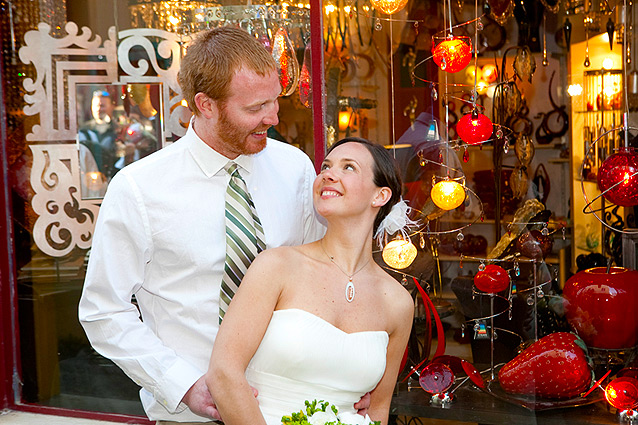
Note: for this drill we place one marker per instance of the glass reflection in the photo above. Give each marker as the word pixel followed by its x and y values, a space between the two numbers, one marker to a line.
pixel 117 125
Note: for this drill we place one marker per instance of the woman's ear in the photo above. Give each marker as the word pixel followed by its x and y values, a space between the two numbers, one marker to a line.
pixel 382 197
pixel 207 106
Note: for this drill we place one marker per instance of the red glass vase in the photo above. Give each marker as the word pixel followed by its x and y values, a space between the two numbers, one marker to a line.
pixel 620 167
pixel 602 307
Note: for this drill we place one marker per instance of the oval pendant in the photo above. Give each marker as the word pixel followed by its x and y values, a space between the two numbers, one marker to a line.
pixel 350 291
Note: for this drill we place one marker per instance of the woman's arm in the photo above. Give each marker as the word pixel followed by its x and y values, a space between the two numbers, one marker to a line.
pixel 239 336
pixel 400 316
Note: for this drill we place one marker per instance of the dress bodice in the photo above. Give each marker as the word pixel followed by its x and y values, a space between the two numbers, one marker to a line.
pixel 303 357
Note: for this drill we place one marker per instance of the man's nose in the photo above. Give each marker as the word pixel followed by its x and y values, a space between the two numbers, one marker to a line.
pixel 272 117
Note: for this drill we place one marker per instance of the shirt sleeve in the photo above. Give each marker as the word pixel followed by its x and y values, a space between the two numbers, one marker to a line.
pixel 121 249
pixel 314 227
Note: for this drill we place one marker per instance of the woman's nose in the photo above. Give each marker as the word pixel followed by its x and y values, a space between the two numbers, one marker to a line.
pixel 328 175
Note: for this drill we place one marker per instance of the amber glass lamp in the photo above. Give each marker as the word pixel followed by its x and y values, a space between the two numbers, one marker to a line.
pixel 448 194
pixel 389 6
pixel 399 253
pixel 453 54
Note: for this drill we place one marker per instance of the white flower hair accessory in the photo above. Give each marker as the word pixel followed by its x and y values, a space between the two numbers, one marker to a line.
pixel 397 220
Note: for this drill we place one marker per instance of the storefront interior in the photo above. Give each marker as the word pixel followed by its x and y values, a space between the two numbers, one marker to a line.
pixel 529 119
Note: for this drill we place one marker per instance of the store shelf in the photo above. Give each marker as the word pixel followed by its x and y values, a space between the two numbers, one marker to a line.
pixel 454 258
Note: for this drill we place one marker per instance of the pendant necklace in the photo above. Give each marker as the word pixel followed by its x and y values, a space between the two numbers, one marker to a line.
pixel 350 285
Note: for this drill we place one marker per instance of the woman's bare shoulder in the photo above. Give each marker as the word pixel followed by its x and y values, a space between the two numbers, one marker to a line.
pixel 280 256
pixel 398 301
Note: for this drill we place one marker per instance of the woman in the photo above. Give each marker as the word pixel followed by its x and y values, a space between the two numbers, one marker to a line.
pixel 319 321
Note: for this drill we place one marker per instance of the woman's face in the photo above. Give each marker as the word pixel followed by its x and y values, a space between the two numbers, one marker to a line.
pixel 345 184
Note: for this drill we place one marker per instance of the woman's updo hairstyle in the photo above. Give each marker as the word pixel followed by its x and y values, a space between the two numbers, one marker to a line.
pixel 386 173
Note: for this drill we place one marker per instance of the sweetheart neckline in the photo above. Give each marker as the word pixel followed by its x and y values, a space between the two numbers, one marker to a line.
pixel 328 323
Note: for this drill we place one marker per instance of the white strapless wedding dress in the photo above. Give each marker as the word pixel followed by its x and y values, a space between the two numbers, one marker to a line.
pixel 303 357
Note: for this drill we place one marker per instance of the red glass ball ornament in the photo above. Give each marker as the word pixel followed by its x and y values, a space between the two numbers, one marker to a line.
pixel 453 54
pixel 622 393
pixel 474 128
pixel 602 308
pixel 436 378
pixel 492 279
pixel 534 244
pixel 620 167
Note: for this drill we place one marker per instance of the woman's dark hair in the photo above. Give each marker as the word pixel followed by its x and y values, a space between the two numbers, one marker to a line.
pixel 386 173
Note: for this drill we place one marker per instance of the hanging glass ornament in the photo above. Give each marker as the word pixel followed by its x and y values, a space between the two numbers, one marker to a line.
pixel 421 241
pixel 610 27
pixel 567 31
pixel 618 178
pixel 481 266
pixel 305 79
pixel 447 194
pixel 377 25
pixel 399 253
pixel 474 128
pixel 286 59
pixel 453 54
pixel 460 236
pixel 466 155
pixel 389 6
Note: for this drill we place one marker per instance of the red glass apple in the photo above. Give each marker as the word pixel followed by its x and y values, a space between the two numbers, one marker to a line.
pixel 620 167
pixel 474 128
pixel 622 393
pixel 492 279
pixel 602 308
pixel 453 54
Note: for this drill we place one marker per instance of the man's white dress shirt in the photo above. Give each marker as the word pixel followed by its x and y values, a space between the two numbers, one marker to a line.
pixel 161 235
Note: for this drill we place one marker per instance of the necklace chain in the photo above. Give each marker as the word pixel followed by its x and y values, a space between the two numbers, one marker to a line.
pixel 350 285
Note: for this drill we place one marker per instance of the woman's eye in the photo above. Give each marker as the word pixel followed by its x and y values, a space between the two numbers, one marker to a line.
pixel 324 167
pixel 349 167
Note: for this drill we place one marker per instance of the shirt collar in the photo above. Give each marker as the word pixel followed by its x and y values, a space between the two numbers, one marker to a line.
pixel 209 160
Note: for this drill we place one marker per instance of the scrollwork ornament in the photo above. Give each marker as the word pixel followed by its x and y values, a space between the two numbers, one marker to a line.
pixel 65 221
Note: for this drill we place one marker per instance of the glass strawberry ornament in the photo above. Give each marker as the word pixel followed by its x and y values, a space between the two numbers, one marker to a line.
pixel 554 367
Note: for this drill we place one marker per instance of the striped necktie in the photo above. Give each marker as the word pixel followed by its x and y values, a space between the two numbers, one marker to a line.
pixel 244 236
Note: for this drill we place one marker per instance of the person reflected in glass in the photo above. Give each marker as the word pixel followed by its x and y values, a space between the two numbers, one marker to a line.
pixel 100 132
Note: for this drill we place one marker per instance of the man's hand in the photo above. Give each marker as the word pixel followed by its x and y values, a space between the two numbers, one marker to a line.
pixel 199 400
pixel 363 405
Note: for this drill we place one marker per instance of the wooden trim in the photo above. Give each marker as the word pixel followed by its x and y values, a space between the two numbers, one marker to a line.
pixel 8 297
pixel 71 413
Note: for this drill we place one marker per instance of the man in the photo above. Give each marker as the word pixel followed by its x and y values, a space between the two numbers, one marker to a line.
pixel 161 231
pixel 100 133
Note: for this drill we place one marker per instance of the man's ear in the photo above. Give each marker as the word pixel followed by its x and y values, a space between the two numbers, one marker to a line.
pixel 382 197
pixel 207 106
